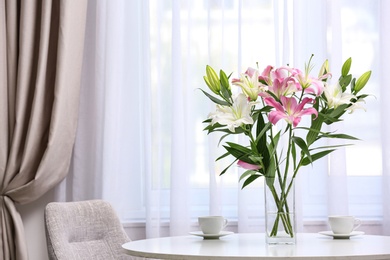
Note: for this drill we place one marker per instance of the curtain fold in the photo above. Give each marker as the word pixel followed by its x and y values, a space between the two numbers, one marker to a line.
pixel 41 55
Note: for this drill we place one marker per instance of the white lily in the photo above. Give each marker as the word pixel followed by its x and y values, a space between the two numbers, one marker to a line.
pixel 336 97
pixel 357 105
pixel 233 116
pixel 249 83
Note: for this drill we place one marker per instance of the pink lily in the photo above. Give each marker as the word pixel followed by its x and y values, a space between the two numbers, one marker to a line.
pixel 266 75
pixel 248 166
pixel 284 86
pixel 289 110
pixel 310 84
pixel 280 82
pixel 315 87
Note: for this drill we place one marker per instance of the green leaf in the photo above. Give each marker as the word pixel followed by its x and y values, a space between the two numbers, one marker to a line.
pixel 224 79
pixel 341 136
pixel 256 159
pixel 223 137
pixel 301 143
pixel 225 87
pixel 344 81
pixel 226 130
pixel 239 152
pixel 274 144
pixel 215 100
pixel 250 179
pixel 346 67
pixel 362 81
pixel 260 129
pixel 217 127
pixel 261 139
pixel 246 174
pixel 222 156
pixel 329 135
pixel 212 128
pixel 270 181
pixel 340 110
pixel 227 168
pixel 225 92
pixel 316 156
pixel 271 171
pixel 314 130
pixel 353 84
pixel 235 153
pixel 239 147
pixel 330 146
pixel 264 109
pixel 333 115
pixel 362 96
pixel 294 154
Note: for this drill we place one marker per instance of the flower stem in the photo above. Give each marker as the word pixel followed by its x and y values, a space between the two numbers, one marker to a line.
pixel 282 214
pixel 283 210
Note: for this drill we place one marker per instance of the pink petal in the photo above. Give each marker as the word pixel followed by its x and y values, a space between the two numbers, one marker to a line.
pixel 316 88
pixel 275 116
pixel 265 75
pixel 267 71
pixel 296 121
pixel 289 103
pixel 309 111
pixel 272 102
pixel 303 103
pixel 248 166
pixel 250 71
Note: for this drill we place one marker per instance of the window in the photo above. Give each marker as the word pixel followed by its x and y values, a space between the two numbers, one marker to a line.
pixel 159 157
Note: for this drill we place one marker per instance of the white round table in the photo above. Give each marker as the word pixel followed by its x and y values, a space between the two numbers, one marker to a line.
pixel 253 246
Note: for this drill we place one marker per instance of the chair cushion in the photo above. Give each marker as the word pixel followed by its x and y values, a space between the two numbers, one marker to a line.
pixel 84 230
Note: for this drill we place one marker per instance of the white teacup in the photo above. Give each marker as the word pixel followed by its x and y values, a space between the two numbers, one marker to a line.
pixel 212 224
pixel 343 224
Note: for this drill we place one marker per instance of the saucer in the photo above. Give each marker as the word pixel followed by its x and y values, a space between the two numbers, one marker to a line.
pixel 211 236
pixel 341 236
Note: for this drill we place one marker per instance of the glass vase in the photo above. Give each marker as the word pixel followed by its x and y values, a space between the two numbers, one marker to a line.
pixel 280 211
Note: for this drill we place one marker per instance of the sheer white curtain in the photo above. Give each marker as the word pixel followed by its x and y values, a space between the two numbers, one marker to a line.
pixel 384 67
pixel 140 142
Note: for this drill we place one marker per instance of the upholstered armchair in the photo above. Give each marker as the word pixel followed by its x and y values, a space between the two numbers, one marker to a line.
pixel 84 230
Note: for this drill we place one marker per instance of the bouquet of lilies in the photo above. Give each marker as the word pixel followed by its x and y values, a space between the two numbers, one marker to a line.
pixel 269 104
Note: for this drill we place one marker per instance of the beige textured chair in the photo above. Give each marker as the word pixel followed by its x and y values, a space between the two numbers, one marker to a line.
pixel 84 230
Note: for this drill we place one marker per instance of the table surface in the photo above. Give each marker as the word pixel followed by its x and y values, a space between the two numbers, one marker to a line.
pixel 253 246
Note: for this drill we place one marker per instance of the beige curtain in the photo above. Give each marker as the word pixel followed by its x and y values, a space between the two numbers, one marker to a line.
pixel 41 46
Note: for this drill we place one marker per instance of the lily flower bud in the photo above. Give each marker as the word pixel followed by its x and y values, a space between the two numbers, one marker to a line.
pixel 324 69
pixel 212 80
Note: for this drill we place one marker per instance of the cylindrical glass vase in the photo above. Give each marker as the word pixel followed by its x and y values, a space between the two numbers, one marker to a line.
pixel 280 211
